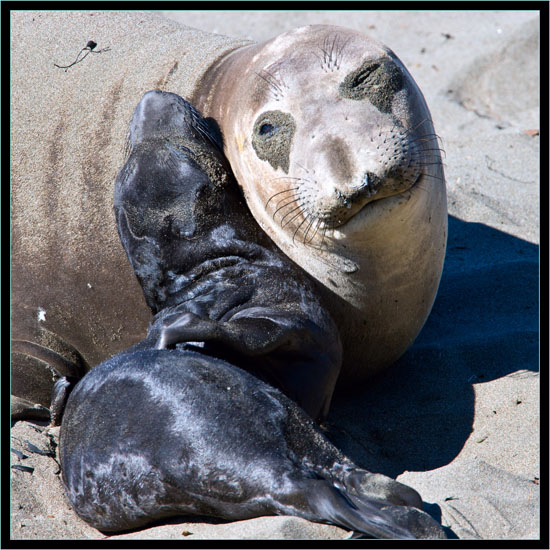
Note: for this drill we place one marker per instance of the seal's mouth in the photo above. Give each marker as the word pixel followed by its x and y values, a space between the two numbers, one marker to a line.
pixel 348 206
pixel 310 216
pixel 377 198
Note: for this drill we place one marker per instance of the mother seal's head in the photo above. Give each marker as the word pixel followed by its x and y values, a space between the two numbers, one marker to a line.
pixel 333 144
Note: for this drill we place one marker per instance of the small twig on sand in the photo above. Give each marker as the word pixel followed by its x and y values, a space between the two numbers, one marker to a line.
pixel 88 49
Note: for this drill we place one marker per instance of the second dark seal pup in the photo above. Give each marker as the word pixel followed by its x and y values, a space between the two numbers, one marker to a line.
pixel 157 433
pixel 207 270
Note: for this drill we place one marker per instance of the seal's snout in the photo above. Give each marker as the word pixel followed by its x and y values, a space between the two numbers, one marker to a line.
pixel 361 185
pixel 388 164
pixel 157 114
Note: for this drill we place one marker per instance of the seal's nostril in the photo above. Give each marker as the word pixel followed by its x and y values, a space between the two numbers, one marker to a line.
pixel 371 181
pixel 365 182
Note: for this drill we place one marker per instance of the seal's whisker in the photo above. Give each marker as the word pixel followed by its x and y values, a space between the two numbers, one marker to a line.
pixel 325 227
pixel 435 177
pixel 435 149
pixel 423 187
pixel 284 206
pixel 427 161
pixel 324 49
pixel 287 178
pixel 271 80
pixel 286 197
pixel 341 53
pixel 300 211
pixel 332 49
pixel 425 137
pixel 436 163
pixel 298 228
pixel 308 228
pixel 427 154
pixel 427 141
pixel 410 130
pixel 314 233
pixel 279 193
pixel 320 60
pixel 325 56
pixel 276 86
pixel 428 137
pixel 289 190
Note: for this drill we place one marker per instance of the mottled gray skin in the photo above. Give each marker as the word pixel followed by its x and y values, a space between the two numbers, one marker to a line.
pixel 208 272
pixel 192 434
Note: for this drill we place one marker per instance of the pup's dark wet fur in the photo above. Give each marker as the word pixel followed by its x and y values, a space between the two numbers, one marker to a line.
pixel 157 433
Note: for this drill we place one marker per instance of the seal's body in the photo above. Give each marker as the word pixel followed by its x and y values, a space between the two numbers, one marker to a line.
pixel 207 270
pixel 333 145
pixel 207 438
pixel 75 300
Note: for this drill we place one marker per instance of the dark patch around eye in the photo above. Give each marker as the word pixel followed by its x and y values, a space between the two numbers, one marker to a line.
pixel 376 80
pixel 272 138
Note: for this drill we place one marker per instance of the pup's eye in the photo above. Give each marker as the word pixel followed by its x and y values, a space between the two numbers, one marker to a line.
pixel 266 129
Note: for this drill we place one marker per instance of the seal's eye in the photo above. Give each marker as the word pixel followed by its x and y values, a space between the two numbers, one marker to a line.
pixel 267 129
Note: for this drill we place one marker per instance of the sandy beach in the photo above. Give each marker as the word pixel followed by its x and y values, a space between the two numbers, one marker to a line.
pixel 457 417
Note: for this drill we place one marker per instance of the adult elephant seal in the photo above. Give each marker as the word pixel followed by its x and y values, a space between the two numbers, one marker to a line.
pixel 210 439
pixel 75 300
pixel 333 145
pixel 208 272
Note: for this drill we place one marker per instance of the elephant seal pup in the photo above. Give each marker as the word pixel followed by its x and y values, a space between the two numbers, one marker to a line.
pixel 333 145
pixel 210 439
pixel 207 270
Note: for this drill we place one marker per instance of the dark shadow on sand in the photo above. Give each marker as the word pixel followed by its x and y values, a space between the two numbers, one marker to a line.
pixel 484 325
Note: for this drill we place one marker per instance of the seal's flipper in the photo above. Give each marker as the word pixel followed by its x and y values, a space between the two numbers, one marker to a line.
pixel 381 487
pixel 250 336
pixel 419 523
pixel 322 502
pixel 23 409
pixel 60 393
pixel 36 367
pixel 186 327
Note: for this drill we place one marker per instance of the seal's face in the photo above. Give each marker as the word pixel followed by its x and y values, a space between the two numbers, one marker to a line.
pixel 332 143
pixel 330 131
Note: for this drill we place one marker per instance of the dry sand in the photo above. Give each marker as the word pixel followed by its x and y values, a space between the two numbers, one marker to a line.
pixel 458 416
